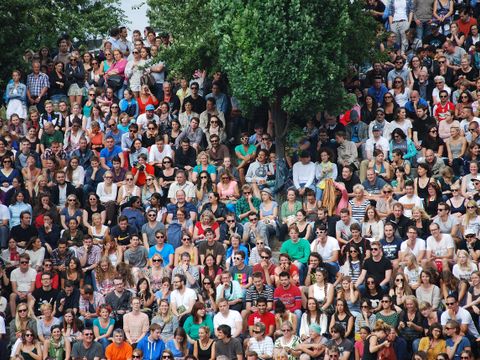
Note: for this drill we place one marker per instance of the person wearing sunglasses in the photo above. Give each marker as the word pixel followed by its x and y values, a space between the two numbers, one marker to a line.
pixel 377 267
pixel 23 282
pixel 456 342
pixel 87 348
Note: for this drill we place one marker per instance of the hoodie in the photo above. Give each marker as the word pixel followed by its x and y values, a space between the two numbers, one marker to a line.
pixel 152 350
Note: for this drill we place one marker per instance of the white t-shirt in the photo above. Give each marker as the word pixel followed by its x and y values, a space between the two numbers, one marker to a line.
pixel 23 280
pixel 440 248
pixel 413 275
pixel 419 246
pixel 463 317
pixel 155 155
pixel 4 212
pixel 464 274
pixel 414 200
pixel 184 299
pixel 325 251
pixel 233 319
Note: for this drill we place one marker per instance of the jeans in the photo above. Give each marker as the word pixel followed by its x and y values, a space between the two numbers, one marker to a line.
pixel 119 92
pixel 423 29
pixel 4 231
pixel 302 270
pixel 400 28
pixel 104 342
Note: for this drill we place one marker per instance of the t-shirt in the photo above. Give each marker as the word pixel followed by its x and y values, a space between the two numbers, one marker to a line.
pixel 440 248
pixel 419 246
pixel 43 297
pixel 137 257
pixel 326 251
pixel 233 319
pixel 345 345
pixel 291 297
pixel 463 344
pixel 241 275
pixel 183 300
pixel 115 352
pixel 23 280
pixel 79 351
pixel 268 319
pixel 464 318
pixel 122 236
pixel 391 249
pixel 166 251
pixel 230 349
pixel 377 269
pixel 108 155
pixel 216 249
pixel 299 251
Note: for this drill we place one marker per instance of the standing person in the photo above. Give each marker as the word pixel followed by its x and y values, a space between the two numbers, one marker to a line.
pixel 135 323
pixel 38 84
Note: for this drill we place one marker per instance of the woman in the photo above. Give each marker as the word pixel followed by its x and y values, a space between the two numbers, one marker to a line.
pixel 157 272
pixel 422 181
pixel 471 219
pixel 87 59
pixel 167 175
pixel 385 202
pixel 103 325
pixel 203 164
pixel 376 341
pixel 16 207
pixel 211 269
pixel 372 225
pixel 269 211
pixel 227 188
pixel 324 169
pixel 71 141
pixel 8 172
pixel 128 105
pixel 387 312
pixel 71 211
pixel 447 180
pixel 150 188
pixel 446 125
pixel 450 285
pixel 400 142
pixel 112 250
pixel 382 168
pixel 127 190
pixel 135 150
pixel 399 290
pixel 149 136
pixel 410 320
pixel 430 203
pixel 186 225
pixel 146 98
pixel 146 296
pixel 416 66
pixel 369 110
pixel 197 319
pixel 245 153
pixel 312 315
pixel 75 117
pixel 287 212
pixel 400 92
pixel 359 344
pixel 73 273
pixel 30 347
pixel 16 95
pixel 390 106
pixel 456 36
pixel 134 71
pixel 207 294
pixel 433 142
pixel 46 322
pixel 473 296
pixel 421 220
pixel 24 319
pixel 115 75
pixel 166 118
pixel 36 250
pixel 457 203
pixel 322 290
pixel 71 326
pixel 218 208
pixel 91 207
pixel 96 115
pixel 235 247
pixel 465 267
pixel 204 347
pixel 186 247
pixel 75 78
pixel 98 231
pixel 350 294
pixel 203 188
pixel 343 317
pixel 185 117
pixel 207 221
pixel 442 13
pixel 215 127
pixel 113 114
pixel 468 188
pixel 32 136
pixel 174 133
pixel 17 129
pixel 57 348
pixel 289 340
pixel 428 291
pixel 373 293
pixel 96 137
pixel 401 122
pixel 304 227
pixel 359 203
pixel 103 276
pixel 166 319
pixel 456 343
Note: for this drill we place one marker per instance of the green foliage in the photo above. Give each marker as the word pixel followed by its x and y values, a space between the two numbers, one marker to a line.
pixel 35 23
pixel 194 43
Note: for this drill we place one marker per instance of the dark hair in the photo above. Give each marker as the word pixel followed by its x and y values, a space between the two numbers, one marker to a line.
pixel 226 330
pixel 399 132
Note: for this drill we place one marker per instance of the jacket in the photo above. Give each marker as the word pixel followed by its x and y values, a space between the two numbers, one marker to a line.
pixel 55 192
pixel 411 150
pixel 362 131
pixel 152 350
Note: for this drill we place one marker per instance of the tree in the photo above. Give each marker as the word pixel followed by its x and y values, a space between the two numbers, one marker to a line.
pixel 35 23
pixel 291 53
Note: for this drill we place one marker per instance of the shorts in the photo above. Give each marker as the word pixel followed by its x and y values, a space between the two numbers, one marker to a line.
pixel 74 90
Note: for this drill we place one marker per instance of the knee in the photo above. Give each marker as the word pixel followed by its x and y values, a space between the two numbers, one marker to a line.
pixel 304 357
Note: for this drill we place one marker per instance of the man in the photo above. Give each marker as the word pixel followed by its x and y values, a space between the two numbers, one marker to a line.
pixel 391 245
pixel 341 344
pixel 439 87
pixel 49 136
pixel 83 153
pixel 424 86
pixel 180 201
pixel 23 282
pixel 289 294
pixel 362 244
pixel 398 71
pixel 465 22
pixel 259 172
pixel 357 131
pixel 113 129
pixel 240 271
pixel 157 69
pixel 25 231
pixel 26 151
pixel 197 101
pixel 231 291
pixel 89 301
pixel 50 116
pixel 119 299
pixel 412 245
pixel 89 255
pixel 303 173
pixel 181 187
pixel 68 298
pixel 185 156
pixel 348 178
pixel 469 125
pixel 376 141
pixel 63 54
pixel 373 185
pixel 262 315
pixel 122 232
pixel 182 298
pixel 421 125
pixel 422 15
pixel 342 228
pixel 256 291
pixel 410 199
pixel 435 163
pixel 144 119
pixel 266 267
pixel 211 246
pixel 221 100
pixel 119 349
pixel 170 98
pixel 109 152
pixel 377 266
pixel 62 190
pixel 440 249
pixel 217 151
pixel 193 134
pixel 379 122
pixel 248 204
pixel 449 224
pixel 229 317
pixel 230 227
pixel 327 247
pixel 347 151
pixel 165 250
pixel 157 154
pixel 261 343
pixel 152 345
pixel 211 110
pixel 458 313
pixel 142 171
pixel 377 90
pixel 190 272
pixel 136 255
pixel 45 294
pixel 435 38
pixel 56 153
pixel 87 348
pixel 135 323
pixel 413 104
pixel 254 229
pixel 38 84
pixel 398 218
pixel 226 345
pixel 298 249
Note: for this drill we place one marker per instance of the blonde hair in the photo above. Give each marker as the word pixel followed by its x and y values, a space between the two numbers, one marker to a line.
pixel 423 213
pixel 468 216
pixel 469 259
pixel 203 153
pixel 18 322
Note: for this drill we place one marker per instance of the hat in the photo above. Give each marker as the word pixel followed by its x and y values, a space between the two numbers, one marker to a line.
pixel 150 107
pixel 376 128
pixel 267 191
pixel 469 231
pixel 381 110
pixel 476 178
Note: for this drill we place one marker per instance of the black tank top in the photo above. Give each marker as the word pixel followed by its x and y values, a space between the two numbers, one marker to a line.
pixel 367 355
pixel 204 354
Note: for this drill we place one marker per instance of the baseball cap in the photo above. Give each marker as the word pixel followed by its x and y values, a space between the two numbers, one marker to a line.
pixel 150 107
pixel 376 128
pixel 381 110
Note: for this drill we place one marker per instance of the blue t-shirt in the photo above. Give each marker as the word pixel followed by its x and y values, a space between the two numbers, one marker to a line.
pixel 102 330
pixel 166 251
pixel 109 155
pixel 463 344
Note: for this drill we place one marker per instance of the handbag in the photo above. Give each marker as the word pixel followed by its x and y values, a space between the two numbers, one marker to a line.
pixel 115 82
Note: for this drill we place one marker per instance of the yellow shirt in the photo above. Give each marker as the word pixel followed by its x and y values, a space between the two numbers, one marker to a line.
pixel 440 347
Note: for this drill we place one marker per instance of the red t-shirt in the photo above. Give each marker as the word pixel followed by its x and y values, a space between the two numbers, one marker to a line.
pixel 55 281
pixel 268 319
pixel 142 177
pixel 440 110
pixel 291 297
pixel 258 268
pixel 464 27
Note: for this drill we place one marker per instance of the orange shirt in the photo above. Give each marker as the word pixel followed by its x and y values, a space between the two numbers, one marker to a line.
pixel 122 352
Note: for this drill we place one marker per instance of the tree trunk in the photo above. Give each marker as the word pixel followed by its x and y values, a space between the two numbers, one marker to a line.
pixel 280 120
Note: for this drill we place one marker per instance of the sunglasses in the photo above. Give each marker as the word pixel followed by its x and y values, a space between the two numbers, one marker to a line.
pixel 266 257
pixel 450 304
pixel 22 310
pixel 374 249
pixel 167 162
pixel 156 260
pixel 24 262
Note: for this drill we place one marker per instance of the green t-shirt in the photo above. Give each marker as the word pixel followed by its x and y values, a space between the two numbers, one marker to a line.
pixel 297 251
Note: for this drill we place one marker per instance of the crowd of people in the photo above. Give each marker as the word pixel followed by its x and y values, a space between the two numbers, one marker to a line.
pixel 141 213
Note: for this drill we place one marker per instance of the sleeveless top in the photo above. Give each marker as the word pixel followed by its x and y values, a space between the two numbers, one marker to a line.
pixel 204 354
pixel 456 150
pixel 321 293
pixel 230 191
pixel 27 356
pixel 303 233
pixel 358 211
pixel 461 209
pixel 422 192
pixel 367 355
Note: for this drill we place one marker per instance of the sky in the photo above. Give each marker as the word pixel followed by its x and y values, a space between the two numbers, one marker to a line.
pixel 137 16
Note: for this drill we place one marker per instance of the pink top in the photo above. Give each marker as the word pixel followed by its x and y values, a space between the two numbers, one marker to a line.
pixel 230 191
pixel 119 66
